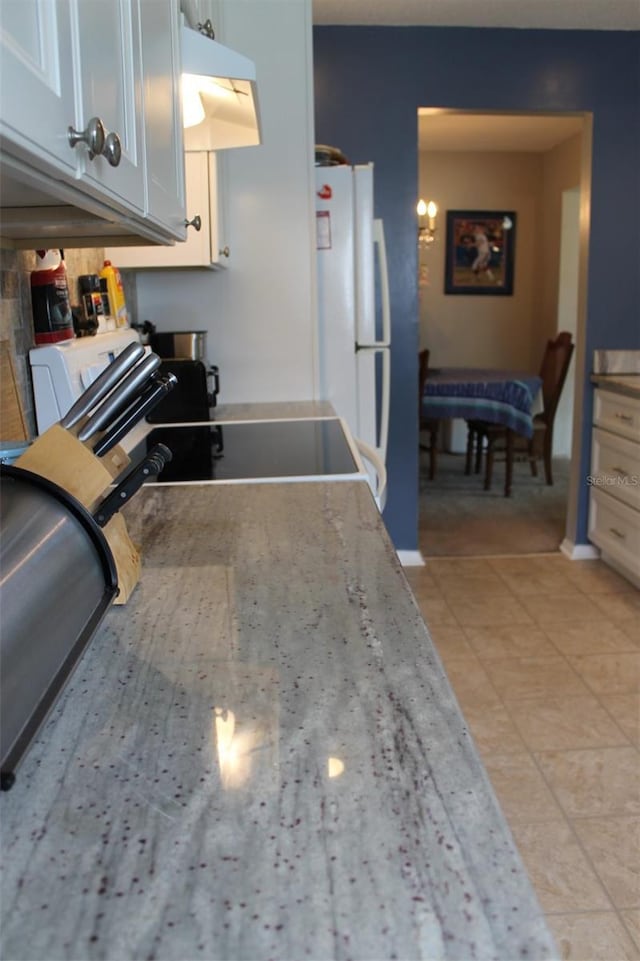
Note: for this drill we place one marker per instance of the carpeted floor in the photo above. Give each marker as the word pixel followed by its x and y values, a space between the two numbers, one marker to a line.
pixel 459 519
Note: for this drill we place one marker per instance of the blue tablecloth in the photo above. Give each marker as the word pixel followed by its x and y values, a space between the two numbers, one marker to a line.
pixel 498 396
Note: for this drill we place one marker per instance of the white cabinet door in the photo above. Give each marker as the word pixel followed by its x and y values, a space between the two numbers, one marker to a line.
pixel 36 80
pixel 202 248
pixel 165 176
pixel 106 39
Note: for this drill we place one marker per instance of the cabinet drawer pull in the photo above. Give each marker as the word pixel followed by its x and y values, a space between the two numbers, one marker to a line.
pixel 112 149
pixel 195 222
pixel 627 418
pixel 225 252
pixel 618 533
pixel 94 136
pixel 620 471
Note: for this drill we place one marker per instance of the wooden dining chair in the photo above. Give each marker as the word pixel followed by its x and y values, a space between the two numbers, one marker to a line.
pixel 553 372
pixel 430 425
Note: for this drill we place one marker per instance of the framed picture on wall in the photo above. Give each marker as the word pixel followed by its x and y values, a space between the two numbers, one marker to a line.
pixel 480 252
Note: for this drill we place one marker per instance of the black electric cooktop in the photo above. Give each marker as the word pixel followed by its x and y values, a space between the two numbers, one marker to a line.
pixel 259 450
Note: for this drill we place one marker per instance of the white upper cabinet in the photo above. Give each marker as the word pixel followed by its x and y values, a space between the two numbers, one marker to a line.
pixel 106 34
pixel 90 118
pixel 204 247
pixel 165 177
pixel 36 80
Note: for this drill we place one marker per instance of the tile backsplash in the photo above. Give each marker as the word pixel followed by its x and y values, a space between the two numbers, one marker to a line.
pixel 16 321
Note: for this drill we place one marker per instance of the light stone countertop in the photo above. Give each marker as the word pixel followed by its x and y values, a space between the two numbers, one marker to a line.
pixel 260 757
pixel 628 384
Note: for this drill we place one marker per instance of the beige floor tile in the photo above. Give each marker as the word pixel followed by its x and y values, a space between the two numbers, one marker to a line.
pixel 490 610
pixel 493 730
pixel 471 684
pixel 592 937
pixel 556 608
pixel 458 566
pixel 609 673
pixel 548 583
pixel 509 640
pixel 549 724
pixel 465 585
pixel 631 627
pixel 620 607
pixel 420 581
pixel 590 637
pixel 561 875
pixel 522 677
pixel 613 846
pixel 625 710
pixel 631 920
pixel 533 564
pixel 520 788
pixel 435 610
pixel 451 643
pixel 594 577
pixel 594 782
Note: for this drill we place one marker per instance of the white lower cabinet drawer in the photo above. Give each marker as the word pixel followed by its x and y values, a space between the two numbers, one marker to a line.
pixel 615 528
pixel 615 467
pixel 618 413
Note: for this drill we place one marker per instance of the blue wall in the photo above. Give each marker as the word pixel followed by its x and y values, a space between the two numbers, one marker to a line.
pixel 369 82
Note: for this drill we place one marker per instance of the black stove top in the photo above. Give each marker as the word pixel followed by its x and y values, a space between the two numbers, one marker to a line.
pixel 251 451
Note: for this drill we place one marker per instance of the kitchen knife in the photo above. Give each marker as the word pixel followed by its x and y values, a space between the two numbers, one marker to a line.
pixel 103 384
pixel 120 397
pixel 151 466
pixel 152 395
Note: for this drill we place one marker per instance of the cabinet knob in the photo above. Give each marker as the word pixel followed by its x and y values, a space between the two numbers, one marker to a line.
pixel 225 252
pixel 112 149
pixel 94 136
pixel 195 222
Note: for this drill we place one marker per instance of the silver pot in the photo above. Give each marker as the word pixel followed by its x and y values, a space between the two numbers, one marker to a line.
pixel 57 581
pixel 182 344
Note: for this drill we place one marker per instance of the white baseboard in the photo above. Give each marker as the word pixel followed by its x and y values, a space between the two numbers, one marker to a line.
pixel 579 552
pixel 410 558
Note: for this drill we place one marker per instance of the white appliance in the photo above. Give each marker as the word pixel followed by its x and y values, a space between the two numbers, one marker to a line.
pixel 62 371
pixel 353 303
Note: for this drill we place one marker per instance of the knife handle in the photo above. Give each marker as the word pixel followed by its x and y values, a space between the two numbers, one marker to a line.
pixel 121 396
pixel 151 466
pixel 153 394
pixel 102 385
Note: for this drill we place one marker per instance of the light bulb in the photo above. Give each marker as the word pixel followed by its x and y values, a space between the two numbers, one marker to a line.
pixel 421 208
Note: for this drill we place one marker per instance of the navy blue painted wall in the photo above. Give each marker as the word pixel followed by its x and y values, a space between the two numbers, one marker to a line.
pixel 369 82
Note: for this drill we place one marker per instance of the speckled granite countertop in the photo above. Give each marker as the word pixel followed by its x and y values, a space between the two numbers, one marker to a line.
pixel 260 757
pixel 628 384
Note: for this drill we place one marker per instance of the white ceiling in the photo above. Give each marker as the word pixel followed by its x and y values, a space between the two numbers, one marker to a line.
pixel 461 130
pixel 545 14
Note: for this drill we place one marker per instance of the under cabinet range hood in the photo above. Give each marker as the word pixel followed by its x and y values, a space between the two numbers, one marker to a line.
pixel 219 93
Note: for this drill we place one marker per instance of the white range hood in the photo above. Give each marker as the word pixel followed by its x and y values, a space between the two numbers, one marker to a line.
pixel 222 85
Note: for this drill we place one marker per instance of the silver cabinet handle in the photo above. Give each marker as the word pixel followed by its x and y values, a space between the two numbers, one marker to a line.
pixel 627 418
pixel 195 222
pixel 620 471
pixel 225 252
pixel 93 136
pixel 618 533
pixel 112 149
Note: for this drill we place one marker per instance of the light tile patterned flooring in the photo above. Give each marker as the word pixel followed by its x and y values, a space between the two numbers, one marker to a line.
pixel 543 654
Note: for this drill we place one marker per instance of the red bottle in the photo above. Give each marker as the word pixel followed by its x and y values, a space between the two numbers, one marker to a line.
pixel 52 318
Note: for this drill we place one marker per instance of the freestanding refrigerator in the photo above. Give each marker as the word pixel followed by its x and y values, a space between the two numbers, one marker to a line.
pixel 353 303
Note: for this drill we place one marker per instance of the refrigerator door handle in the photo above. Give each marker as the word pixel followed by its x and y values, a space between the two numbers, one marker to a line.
pixel 385 302
pixel 385 402
pixel 372 456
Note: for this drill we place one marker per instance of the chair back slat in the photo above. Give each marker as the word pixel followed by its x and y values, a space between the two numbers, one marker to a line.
pixel 553 371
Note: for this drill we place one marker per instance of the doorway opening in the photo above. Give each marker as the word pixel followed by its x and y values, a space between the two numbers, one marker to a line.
pixel 537 165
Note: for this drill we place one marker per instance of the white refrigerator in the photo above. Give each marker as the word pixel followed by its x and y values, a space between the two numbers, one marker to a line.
pixel 353 304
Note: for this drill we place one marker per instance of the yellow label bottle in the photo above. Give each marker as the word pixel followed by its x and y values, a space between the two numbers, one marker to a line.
pixel 116 293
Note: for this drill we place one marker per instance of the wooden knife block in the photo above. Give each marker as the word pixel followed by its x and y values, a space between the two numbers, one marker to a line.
pixel 59 456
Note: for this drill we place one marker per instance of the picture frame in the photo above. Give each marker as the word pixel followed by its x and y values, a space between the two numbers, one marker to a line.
pixel 480 252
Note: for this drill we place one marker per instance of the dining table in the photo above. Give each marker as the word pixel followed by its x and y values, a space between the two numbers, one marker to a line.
pixel 510 398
